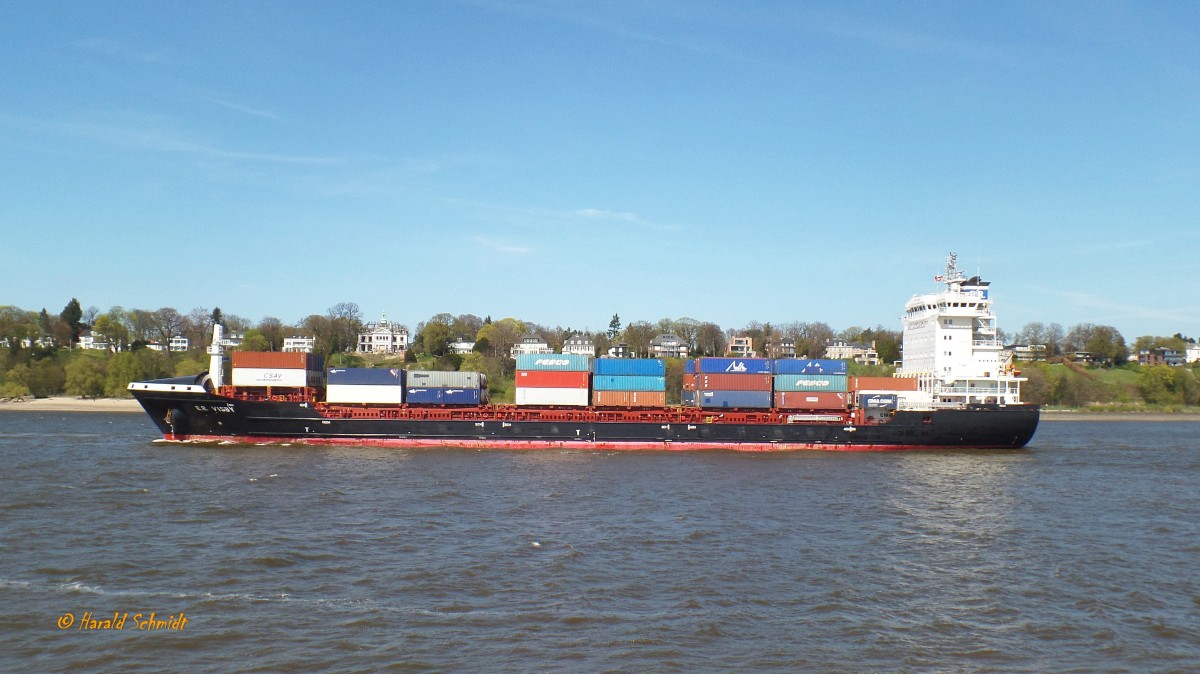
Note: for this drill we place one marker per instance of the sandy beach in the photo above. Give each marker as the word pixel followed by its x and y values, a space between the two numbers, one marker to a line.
pixel 71 404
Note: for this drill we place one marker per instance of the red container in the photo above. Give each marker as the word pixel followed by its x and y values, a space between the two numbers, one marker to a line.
pixel 733 382
pixel 808 400
pixel 551 379
pixel 629 398
pixel 689 382
pixel 276 360
pixel 883 383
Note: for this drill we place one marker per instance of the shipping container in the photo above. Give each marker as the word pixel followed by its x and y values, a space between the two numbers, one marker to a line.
pixel 804 400
pixel 689 382
pixel 552 379
pixel 625 367
pixel 734 366
pixel 434 395
pixel 811 382
pixel 810 366
pixel 442 379
pixel 688 398
pixel 569 362
pixel 612 382
pixel 364 393
pixel 276 360
pixel 262 376
pixel 365 376
pixel 629 399
pixel 733 382
pixel 735 399
pixel 552 397
pixel 883 383
pixel 878 401
pixel 689 366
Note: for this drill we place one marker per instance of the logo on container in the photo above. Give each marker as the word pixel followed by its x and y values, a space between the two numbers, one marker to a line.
pixel 737 366
pixel 552 361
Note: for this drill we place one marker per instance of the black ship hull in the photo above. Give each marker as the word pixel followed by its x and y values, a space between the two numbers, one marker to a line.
pixel 192 414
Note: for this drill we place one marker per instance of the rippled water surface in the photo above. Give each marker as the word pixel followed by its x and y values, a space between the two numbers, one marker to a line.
pixel 1079 554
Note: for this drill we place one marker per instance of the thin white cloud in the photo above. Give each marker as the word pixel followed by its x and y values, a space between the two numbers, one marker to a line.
pixel 244 109
pixel 548 218
pixel 106 47
pixel 624 218
pixel 501 246
pixel 150 135
pixel 1119 310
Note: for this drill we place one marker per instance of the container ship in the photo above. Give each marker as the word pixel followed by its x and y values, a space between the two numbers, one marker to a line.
pixel 956 388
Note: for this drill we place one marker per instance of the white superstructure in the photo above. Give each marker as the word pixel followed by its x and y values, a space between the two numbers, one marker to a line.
pixel 952 346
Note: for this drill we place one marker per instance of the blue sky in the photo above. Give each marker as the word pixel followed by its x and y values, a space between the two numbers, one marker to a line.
pixel 563 161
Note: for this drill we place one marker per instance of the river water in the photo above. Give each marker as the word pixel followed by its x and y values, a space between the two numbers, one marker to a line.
pixel 1081 553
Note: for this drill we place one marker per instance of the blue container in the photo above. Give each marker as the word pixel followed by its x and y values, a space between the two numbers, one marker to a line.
pixel 734 366
pixel 809 366
pixel 735 399
pixel 879 401
pixel 559 362
pixel 833 383
pixel 687 398
pixel 613 382
pixel 365 376
pixel 650 367
pixel 430 395
pixel 689 366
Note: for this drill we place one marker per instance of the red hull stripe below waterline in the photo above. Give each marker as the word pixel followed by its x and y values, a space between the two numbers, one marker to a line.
pixel 554 444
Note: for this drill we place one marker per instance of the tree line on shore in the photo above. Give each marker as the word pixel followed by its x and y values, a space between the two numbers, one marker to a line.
pixel 38 354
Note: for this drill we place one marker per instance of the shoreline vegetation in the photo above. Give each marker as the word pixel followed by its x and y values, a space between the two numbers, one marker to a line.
pixel 74 404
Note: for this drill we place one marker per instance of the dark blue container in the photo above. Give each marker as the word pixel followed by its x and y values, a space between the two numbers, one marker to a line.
pixel 689 366
pixel 738 399
pixel 430 395
pixel 365 376
pixel 629 367
pixel 734 366
pixel 879 401
pixel 809 366
pixel 687 398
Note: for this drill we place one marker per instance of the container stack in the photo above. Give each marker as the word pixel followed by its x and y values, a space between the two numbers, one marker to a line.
pixel 434 387
pixel 364 385
pixel 811 384
pixel 276 369
pixel 734 383
pixel 553 379
pixel 629 382
pixel 687 396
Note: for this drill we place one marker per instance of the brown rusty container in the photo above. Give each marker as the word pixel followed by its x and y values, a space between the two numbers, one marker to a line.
pixel 277 360
pixel 629 399
pixel 883 383
pixel 733 382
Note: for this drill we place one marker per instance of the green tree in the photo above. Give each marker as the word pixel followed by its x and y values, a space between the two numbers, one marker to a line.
pixel 86 376
pixel 46 378
pixel 72 316
pixel 253 340
pixel 614 327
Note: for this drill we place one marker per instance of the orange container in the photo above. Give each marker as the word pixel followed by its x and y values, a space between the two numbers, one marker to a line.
pixel 883 383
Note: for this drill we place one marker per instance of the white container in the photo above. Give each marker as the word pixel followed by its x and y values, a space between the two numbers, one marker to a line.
pixel 357 393
pixel 552 397
pixel 264 376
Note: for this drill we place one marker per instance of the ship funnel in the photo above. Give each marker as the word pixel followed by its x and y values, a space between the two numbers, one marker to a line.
pixel 215 357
